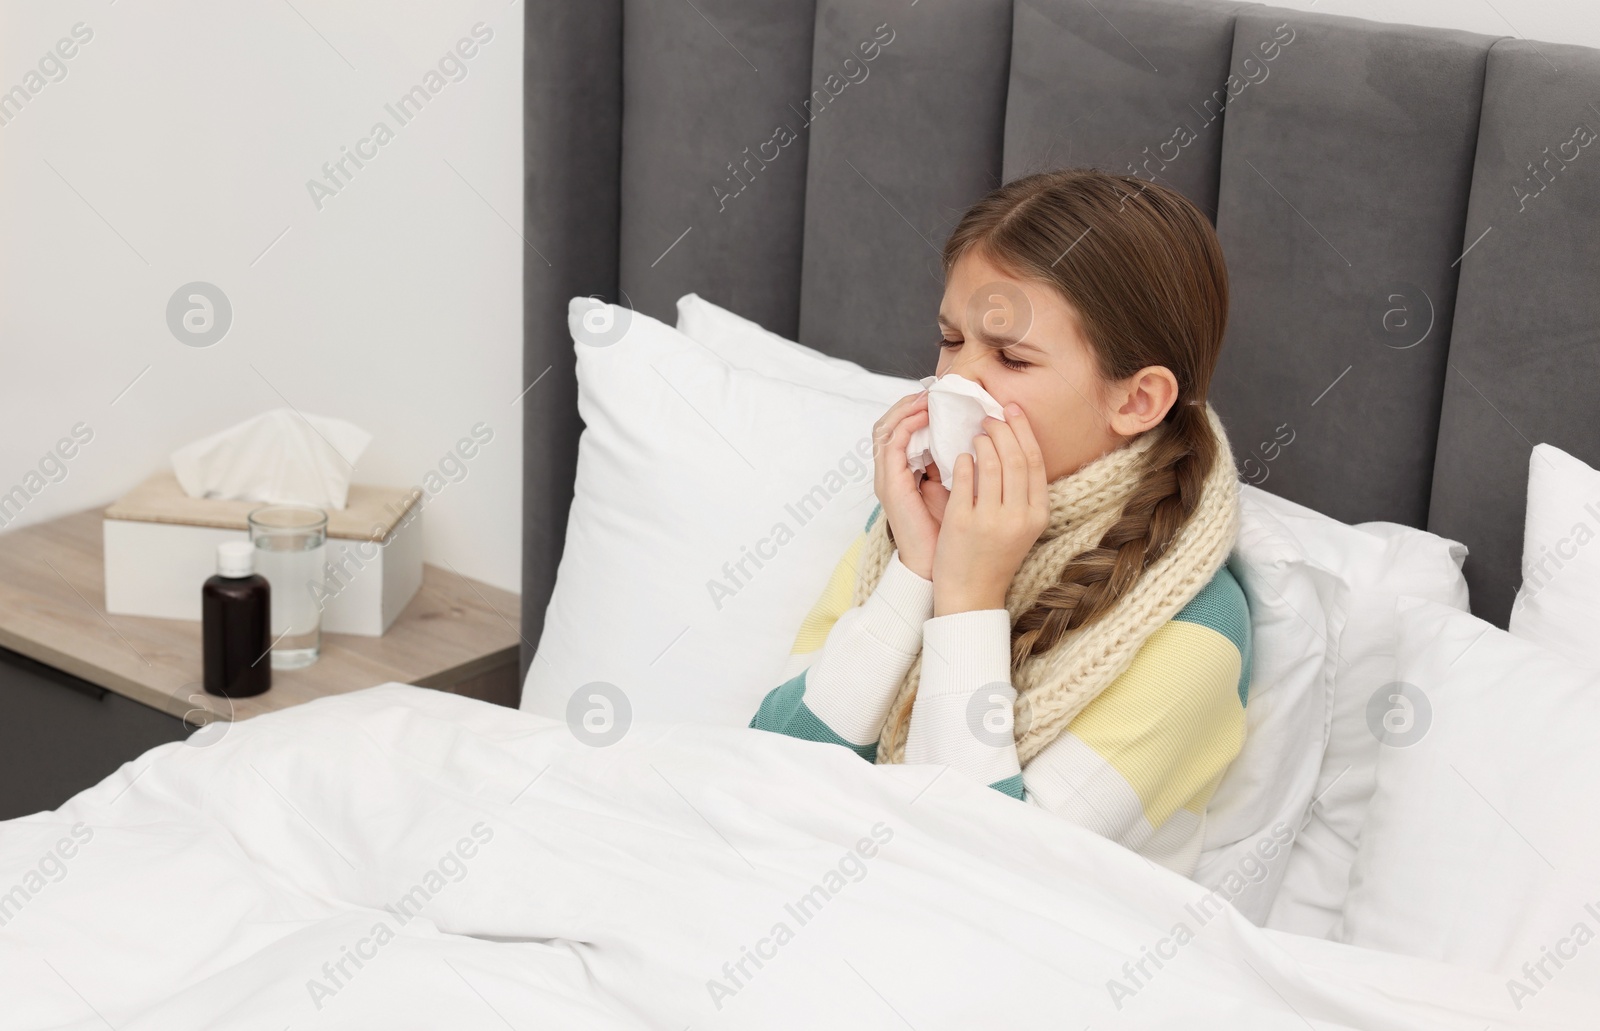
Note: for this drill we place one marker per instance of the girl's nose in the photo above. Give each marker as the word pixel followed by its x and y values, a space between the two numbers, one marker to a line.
pixel 967 369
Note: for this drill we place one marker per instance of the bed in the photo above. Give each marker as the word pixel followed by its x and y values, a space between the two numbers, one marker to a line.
pixel 1412 296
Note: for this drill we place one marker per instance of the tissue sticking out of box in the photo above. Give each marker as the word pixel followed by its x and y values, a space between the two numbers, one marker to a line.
pixel 279 456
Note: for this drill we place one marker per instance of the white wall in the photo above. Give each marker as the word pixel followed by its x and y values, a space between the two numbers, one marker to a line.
pixel 176 148
pixel 1554 21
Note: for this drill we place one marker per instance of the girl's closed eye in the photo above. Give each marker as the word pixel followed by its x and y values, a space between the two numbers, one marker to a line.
pixel 1005 359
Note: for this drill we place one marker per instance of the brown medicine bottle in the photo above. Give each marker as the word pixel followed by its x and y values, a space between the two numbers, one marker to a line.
pixel 235 612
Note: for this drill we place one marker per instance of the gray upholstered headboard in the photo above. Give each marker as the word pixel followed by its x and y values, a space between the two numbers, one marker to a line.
pixel 1409 215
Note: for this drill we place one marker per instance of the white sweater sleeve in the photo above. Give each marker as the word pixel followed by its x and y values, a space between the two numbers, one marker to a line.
pixel 850 682
pixel 963 713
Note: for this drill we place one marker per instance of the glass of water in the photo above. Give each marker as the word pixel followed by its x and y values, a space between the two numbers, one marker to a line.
pixel 291 541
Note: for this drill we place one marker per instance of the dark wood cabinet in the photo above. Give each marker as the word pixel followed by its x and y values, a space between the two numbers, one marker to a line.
pixel 59 734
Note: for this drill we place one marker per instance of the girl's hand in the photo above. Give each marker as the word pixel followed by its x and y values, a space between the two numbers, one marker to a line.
pixel 998 507
pixel 905 503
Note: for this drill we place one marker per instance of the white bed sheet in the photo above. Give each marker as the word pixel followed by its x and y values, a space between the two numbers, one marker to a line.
pixel 217 885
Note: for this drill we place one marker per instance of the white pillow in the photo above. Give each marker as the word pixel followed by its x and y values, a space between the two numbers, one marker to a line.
pixel 710 505
pixel 1482 847
pixel 1359 571
pixel 746 345
pixel 1558 604
pixel 1270 783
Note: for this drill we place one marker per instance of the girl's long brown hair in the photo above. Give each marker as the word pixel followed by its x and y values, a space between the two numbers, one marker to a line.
pixel 1144 271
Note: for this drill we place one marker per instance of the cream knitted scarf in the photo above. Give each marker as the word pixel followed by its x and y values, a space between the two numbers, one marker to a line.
pixel 1055 685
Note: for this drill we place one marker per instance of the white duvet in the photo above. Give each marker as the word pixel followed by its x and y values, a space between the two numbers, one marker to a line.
pixel 405 858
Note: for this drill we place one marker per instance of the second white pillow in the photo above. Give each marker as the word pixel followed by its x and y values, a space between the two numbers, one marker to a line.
pixel 1558 604
pixel 746 345
pixel 711 504
pixel 1481 848
pixel 1361 570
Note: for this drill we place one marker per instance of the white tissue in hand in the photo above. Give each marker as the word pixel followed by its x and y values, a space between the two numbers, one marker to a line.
pixel 956 409
pixel 275 457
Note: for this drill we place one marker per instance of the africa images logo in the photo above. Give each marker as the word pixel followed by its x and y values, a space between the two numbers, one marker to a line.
pixel 199 314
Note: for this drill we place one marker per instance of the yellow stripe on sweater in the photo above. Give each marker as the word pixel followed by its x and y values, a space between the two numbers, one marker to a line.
pixel 1171 722
pixel 835 602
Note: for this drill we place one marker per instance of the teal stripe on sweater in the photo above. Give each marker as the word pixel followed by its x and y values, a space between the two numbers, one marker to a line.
pixel 1012 786
pixel 1221 606
pixel 784 711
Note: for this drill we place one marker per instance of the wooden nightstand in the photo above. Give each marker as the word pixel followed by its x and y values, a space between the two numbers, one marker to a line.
pixel 456 635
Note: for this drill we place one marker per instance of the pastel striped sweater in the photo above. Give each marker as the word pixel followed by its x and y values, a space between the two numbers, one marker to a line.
pixel 1138 765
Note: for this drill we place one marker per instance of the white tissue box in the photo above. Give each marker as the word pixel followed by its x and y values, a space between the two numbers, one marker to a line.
pixel 161 546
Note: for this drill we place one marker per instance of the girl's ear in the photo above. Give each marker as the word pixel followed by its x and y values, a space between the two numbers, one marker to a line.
pixel 1142 400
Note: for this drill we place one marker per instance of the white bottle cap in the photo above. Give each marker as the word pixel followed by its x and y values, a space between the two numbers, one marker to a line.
pixel 236 558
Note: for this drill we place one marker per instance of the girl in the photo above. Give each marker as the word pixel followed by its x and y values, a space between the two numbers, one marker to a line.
pixel 1058 622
